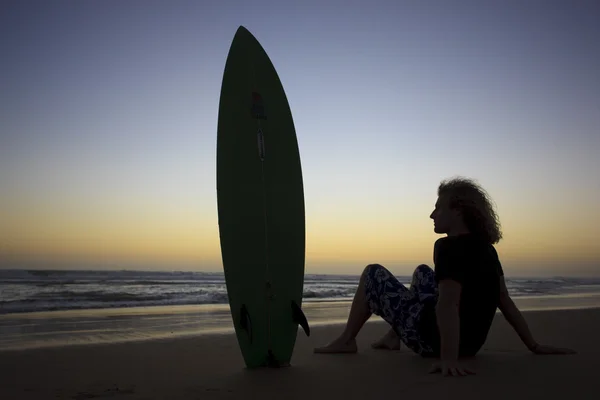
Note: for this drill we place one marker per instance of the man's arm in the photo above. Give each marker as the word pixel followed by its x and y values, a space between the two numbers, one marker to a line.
pixel 448 318
pixel 514 317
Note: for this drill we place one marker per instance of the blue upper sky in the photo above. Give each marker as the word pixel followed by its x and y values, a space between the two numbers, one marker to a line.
pixel 108 113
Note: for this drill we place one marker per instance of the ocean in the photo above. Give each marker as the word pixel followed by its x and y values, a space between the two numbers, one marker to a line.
pixel 59 308
pixel 23 291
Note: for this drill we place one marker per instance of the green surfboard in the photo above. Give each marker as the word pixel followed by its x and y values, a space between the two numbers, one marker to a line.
pixel 260 198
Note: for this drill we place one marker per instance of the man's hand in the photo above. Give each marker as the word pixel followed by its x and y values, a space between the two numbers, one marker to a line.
pixel 542 349
pixel 450 368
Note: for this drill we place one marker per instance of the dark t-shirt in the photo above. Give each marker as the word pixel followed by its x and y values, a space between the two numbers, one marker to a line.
pixel 475 265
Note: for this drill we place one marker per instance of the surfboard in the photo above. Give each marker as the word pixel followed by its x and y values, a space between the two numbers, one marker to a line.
pixel 260 200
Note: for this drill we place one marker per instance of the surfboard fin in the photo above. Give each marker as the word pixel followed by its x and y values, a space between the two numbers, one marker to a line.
pixel 245 321
pixel 299 317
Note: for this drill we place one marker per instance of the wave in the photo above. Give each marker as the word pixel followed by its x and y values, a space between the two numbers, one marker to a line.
pixel 115 282
pixel 91 300
pixel 70 300
pixel 31 290
pixel 328 293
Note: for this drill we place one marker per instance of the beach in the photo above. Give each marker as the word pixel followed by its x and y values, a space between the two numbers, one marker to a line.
pixel 210 366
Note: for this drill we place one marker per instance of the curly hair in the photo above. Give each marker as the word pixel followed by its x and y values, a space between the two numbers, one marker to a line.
pixel 475 205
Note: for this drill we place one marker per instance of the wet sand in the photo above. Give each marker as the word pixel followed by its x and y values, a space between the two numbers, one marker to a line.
pixel 210 366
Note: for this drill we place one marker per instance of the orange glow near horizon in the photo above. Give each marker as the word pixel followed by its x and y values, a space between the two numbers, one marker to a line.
pixel 336 241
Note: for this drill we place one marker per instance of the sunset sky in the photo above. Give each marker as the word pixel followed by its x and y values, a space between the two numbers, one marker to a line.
pixel 108 121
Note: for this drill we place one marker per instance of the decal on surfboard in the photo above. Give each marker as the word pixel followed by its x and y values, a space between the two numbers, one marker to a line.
pixel 258 107
pixel 261 144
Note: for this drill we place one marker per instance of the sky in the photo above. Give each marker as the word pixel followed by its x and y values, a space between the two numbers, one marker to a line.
pixel 108 121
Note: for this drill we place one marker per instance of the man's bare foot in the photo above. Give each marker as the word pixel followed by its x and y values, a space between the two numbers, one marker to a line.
pixel 390 341
pixel 339 345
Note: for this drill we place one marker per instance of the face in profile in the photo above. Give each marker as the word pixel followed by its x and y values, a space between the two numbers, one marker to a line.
pixel 445 219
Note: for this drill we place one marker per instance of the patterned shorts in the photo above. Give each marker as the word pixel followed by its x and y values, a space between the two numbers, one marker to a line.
pixel 403 308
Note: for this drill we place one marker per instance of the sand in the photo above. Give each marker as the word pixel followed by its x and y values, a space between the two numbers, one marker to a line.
pixel 211 367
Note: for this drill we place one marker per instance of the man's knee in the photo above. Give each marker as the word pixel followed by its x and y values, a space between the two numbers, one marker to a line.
pixel 371 267
pixel 424 269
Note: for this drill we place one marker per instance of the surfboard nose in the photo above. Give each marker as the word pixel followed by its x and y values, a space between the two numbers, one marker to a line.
pixel 243 31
